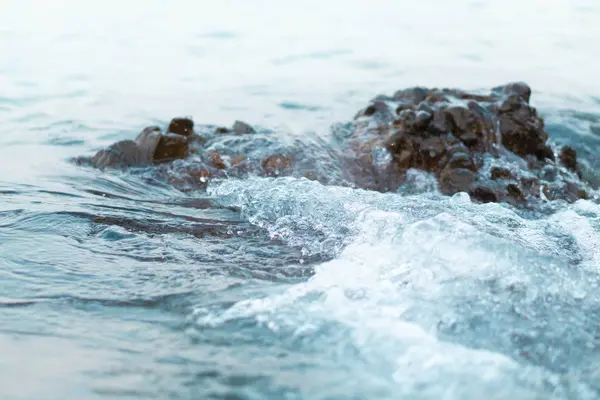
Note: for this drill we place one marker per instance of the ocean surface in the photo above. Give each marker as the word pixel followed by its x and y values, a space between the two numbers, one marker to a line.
pixel 111 288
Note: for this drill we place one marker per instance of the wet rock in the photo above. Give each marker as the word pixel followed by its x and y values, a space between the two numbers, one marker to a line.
pixel 414 95
pixel 461 160
pixel 171 147
pixel 515 195
pixel 238 128
pixel 530 186
pixel 431 151
pixel 378 106
pixel 242 128
pixel 217 160
pixel 521 89
pixel 449 134
pixel 276 165
pixel 498 173
pixel 568 158
pixel 181 126
pixel 150 146
pixel 483 194
pixel 569 192
pixel 406 119
pixel 222 130
pixel 549 173
pixel 422 119
pixel 121 154
pixel 455 180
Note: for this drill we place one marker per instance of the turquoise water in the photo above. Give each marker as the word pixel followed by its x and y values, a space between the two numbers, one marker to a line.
pixel 117 287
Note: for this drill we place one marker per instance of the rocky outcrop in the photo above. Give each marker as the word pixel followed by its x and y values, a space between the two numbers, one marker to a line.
pixel 490 145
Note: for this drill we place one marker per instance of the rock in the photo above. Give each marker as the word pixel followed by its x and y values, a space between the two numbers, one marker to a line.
pixel 150 146
pixel 521 89
pixel 456 137
pixel 530 186
pixel 148 140
pixel 569 192
pixel 515 195
pixel 414 95
pixel 242 128
pixel 568 158
pixel 217 160
pixel 121 154
pixel 181 126
pixel 222 130
pixel 498 173
pixel 276 165
pixel 171 147
pixel 373 108
pixel 455 180
pixel 238 128
pixel 483 194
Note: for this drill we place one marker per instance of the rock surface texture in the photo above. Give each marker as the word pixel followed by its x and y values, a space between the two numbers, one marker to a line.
pixel 492 146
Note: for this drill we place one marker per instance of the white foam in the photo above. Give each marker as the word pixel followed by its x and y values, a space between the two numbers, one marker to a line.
pixel 403 265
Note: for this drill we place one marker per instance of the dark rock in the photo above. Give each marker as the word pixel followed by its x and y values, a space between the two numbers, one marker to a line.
pixel 181 126
pixel 406 119
pixel 450 133
pixel 414 95
pixel 222 130
pixel 147 141
pixel 375 107
pixel 171 147
pixel 431 151
pixel 530 186
pixel 483 194
pixel 519 88
pixel 568 157
pixel 515 195
pixel 498 173
pixel 422 119
pixel 461 160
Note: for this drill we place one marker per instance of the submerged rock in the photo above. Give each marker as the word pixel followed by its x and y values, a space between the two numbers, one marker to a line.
pixel 492 146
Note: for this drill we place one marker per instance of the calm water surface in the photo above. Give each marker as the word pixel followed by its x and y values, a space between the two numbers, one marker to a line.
pixel 112 288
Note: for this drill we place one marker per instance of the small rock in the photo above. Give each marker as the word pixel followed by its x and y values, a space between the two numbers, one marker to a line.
pixel 217 160
pixel 568 157
pixel 498 173
pixel 181 126
pixel 377 106
pixel 171 147
pixel 122 154
pixel 276 165
pixel 515 195
pixel 414 95
pixel 519 88
pixel 483 194
pixel 221 130
pixel 242 128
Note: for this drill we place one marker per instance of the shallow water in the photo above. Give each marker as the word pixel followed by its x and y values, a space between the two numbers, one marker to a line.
pixel 114 287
